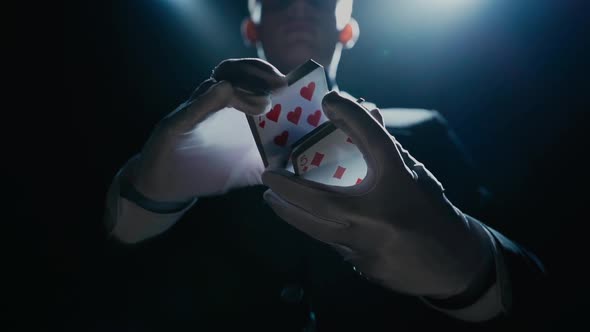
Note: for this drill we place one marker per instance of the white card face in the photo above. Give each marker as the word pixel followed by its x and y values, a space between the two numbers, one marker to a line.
pixel 294 112
pixel 330 158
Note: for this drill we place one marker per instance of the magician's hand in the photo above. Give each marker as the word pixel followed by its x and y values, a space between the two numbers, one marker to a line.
pixel 396 227
pixel 199 151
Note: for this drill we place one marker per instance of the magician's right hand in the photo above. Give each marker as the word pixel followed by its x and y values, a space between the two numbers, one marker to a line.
pixel 205 147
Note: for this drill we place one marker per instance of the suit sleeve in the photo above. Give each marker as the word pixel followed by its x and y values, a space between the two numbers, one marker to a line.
pixel 514 292
pixel 516 284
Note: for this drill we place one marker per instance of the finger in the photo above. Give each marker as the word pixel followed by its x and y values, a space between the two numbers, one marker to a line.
pixel 309 195
pixel 419 171
pixel 249 103
pixel 409 160
pixel 319 228
pixel 376 114
pixel 188 115
pixel 254 76
pixel 372 139
pixel 204 86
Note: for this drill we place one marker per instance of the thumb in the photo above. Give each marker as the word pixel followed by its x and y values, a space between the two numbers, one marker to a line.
pixel 372 139
pixel 191 113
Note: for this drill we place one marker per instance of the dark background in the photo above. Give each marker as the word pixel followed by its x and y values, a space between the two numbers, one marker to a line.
pixel 511 77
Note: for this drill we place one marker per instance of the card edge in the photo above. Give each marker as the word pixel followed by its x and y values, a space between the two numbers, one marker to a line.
pixel 301 71
pixel 257 140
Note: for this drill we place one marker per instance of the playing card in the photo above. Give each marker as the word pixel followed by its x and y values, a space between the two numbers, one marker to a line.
pixel 327 155
pixel 294 112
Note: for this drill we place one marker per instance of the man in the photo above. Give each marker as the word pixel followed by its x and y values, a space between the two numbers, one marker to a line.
pixel 397 232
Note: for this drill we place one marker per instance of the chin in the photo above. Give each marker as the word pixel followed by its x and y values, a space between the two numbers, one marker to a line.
pixel 291 55
pixel 298 57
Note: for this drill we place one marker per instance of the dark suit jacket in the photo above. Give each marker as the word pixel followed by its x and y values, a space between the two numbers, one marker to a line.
pixel 231 262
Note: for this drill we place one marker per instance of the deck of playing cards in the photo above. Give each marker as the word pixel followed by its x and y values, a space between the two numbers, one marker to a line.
pixel 295 129
pixel 294 112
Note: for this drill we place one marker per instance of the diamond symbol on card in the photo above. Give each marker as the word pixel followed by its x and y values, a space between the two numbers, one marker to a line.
pixel 339 172
pixel 317 159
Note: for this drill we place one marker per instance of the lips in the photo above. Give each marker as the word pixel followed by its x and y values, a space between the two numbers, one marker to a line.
pixel 299 33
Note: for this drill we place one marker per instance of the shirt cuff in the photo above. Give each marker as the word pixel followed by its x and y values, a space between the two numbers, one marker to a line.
pixel 495 301
pixel 131 223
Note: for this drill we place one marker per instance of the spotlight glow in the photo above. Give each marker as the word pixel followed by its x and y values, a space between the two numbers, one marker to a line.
pixel 434 16
pixel 446 6
pixel 441 8
pixel 200 18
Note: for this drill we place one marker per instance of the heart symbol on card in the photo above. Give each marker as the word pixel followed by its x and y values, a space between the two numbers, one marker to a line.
pixel 274 113
pixel 314 119
pixel 281 139
pixel 262 124
pixel 307 91
pixel 295 115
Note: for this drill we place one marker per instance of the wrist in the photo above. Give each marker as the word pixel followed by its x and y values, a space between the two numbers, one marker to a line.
pixel 479 282
pixel 129 191
pixel 154 187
